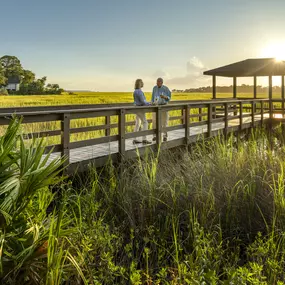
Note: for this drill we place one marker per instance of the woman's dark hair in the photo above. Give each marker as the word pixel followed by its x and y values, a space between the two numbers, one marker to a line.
pixel 138 84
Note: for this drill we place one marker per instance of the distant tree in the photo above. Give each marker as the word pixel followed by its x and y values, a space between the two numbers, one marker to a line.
pixel 3 91
pixel 53 89
pixel 60 90
pixel 11 66
pixel 35 87
pixel 28 77
pixel 2 77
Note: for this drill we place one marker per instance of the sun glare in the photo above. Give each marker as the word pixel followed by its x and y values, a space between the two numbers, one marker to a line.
pixel 274 50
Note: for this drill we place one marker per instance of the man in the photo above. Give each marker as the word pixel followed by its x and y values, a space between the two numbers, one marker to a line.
pixel 161 95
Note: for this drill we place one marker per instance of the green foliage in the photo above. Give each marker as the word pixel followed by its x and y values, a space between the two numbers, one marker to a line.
pixel 53 89
pixel 24 198
pixel 35 87
pixel 2 76
pixel 3 91
pixel 214 215
pixel 28 77
pixel 11 66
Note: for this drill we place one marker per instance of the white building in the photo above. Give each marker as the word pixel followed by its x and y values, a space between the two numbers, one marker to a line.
pixel 13 83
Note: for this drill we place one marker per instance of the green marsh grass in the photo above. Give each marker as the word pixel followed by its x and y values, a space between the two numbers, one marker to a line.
pixel 101 98
pixel 213 214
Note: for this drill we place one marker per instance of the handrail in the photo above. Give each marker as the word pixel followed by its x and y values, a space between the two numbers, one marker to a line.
pixel 198 114
pixel 98 109
pixel 88 106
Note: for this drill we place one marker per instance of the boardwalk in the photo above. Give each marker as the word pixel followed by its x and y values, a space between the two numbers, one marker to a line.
pixel 105 149
pixel 189 122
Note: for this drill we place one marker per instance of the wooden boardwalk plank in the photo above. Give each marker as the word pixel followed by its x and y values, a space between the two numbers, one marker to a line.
pixel 92 152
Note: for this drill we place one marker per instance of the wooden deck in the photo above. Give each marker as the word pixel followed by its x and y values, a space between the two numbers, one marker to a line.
pixel 189 122
pixel 103 150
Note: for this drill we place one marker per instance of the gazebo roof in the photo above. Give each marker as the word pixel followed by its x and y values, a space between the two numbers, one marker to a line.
pixel 250 67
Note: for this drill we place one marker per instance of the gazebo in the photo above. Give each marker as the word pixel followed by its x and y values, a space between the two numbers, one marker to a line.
pixel 250 68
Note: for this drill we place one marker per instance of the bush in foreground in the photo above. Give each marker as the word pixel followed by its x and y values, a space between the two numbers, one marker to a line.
pixel 214 215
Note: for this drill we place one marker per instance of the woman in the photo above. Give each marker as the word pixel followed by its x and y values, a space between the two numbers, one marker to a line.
pixel 139 100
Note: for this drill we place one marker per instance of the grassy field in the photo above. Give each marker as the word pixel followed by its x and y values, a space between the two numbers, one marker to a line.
pixel 101 98
pixel 214 215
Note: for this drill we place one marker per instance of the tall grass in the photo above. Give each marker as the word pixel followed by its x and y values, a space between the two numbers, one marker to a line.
pixel 212 214
pixel 104 98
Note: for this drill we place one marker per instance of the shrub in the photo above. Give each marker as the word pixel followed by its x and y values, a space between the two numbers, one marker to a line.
pixel 214 215
pixel 3 91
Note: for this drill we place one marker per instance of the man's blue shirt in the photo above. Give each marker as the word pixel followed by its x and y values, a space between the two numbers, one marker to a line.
pixel 156 92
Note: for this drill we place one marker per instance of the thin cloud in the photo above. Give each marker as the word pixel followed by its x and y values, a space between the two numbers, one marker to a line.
pixel 194 75
pixel 160 73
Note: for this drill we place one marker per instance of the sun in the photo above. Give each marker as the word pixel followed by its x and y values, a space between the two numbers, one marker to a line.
pixel 274 50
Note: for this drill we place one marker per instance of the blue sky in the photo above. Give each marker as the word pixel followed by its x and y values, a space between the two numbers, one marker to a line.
pixel 104 45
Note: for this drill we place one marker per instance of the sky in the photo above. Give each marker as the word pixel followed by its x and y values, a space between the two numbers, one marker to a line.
pixel 105 45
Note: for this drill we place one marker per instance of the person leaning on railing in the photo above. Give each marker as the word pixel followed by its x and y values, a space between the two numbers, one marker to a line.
pixel 140 100
pixel 161 95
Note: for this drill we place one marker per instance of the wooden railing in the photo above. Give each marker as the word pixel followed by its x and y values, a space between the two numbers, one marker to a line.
pixel 114 124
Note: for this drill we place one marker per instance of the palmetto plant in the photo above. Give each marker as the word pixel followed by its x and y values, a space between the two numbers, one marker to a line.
pixel 25 174
pixel 24 170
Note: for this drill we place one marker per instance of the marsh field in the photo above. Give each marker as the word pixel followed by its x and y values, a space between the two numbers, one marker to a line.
pixel 103 97
pixel 210 214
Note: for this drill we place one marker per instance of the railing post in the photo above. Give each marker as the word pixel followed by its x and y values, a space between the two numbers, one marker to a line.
pixel 226 120
pixel 122 142
pixel 183 117
pixel 210 119
pixel 65 137
pixel 235 109
pixel 240 115
pixel 187 123
pixel 214 112
pixel 158 126
pixel 107 123
pixel 200 115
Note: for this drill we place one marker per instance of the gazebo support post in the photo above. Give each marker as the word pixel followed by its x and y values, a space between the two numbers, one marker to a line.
pixel 213 112
pixel 270 97
pixel 255 87
pixel 234 87
pixel 214 88
pixel 255 90
pixel 235 93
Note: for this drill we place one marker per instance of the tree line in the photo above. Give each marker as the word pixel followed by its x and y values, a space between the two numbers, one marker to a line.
pixel 10 66
pixel 244 88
